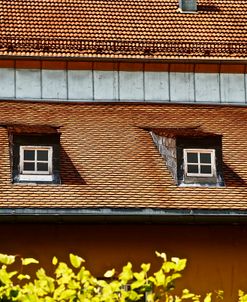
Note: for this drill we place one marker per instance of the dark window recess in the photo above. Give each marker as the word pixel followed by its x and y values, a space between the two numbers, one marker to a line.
pixel 205 166
pixel 188 5
pixel 40 139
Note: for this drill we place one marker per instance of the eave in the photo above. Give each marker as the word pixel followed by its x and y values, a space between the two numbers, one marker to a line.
pixel 123 215
pixel 133 59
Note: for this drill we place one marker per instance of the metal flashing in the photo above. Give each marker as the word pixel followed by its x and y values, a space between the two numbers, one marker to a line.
pixel 134 59
pixel 125 215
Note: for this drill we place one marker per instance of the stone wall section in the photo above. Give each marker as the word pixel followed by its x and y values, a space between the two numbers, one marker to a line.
pixel 167 148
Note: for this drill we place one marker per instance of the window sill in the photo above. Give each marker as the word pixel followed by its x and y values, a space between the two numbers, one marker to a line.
pixel 35 178
pixel 214 185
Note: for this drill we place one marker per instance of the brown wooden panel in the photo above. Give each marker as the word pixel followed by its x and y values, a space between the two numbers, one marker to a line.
pixel 131 67
pixel 207 68
pixel 80 65
pixel 232 68
pixel 182 67
pixel 54 65
pixel 28 64
pixel 104 66
pixel 156 67
pixel 7 63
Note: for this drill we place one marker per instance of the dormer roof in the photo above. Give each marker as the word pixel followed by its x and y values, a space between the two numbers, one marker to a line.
pixel 182 132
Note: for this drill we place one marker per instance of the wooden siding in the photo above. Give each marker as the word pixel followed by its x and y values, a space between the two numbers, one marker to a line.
pixel 216 253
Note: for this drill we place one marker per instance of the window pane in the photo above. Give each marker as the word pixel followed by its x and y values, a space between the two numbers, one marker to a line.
pixel 205 158
pixel 206 170
pixel 192 169
pixel 29 154
pixel 28 166
pixel 192 157
pixel 42 166
pixel 42 155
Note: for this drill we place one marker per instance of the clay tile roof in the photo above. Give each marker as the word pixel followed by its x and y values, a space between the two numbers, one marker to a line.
pixel 123 29
pixel 108 160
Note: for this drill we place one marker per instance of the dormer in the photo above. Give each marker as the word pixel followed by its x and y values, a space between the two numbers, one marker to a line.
pixel 193 157
pixel 188 6
pixel 35 153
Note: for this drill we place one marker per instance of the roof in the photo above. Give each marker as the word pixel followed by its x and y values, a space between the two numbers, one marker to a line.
pixel 28 129
pixel 151 29
pixel 181 132
pixel 108 159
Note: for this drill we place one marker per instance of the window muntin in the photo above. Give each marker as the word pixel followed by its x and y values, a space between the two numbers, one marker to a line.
pixel 199 162
pixel 35 160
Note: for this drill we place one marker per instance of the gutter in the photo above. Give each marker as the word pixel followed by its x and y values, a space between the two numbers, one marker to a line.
pixel 123 215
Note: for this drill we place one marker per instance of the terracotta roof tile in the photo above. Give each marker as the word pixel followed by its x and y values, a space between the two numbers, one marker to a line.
pixel 138 28
pixel 108 160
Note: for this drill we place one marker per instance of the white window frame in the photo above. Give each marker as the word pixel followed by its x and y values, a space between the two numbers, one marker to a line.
pixel 36 175
pixel 199 164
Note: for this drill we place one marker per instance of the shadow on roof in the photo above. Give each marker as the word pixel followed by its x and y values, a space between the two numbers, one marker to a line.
pixel 232 179
pixel 208 8
pixel 69 174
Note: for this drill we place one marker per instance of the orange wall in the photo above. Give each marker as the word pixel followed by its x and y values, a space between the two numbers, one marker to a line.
pixel 216 254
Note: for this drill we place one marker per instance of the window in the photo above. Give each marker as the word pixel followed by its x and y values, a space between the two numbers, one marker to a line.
pixel 35 154
pixel 199 162
pixel 36 163
pixel 187 6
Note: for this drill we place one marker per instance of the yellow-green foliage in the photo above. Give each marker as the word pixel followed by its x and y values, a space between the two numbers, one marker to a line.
pixel 74 283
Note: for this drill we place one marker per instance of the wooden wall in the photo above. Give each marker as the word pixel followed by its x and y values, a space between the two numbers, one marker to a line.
pixel 216 253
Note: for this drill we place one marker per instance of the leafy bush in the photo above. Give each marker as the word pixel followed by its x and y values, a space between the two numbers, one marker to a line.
pixel 74 282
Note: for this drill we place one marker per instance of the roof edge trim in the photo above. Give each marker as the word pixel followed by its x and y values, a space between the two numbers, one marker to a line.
pixel 236 60
pixel 124 215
